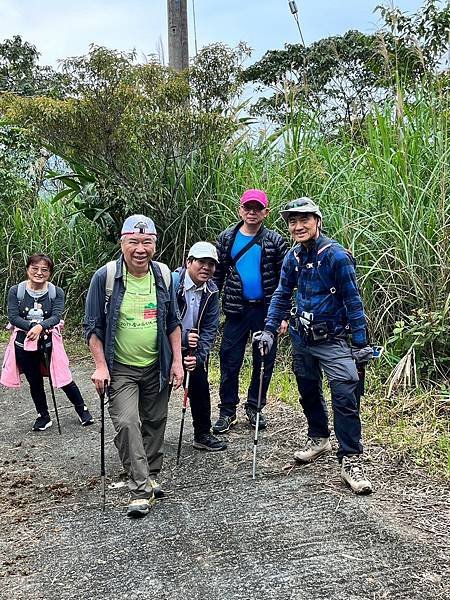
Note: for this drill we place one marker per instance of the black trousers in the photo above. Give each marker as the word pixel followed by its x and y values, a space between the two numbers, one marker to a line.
pixel 31 364
pixel 236 332
pixel 200 400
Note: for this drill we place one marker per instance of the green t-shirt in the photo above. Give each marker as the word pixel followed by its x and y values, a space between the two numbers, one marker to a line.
pixel 136 336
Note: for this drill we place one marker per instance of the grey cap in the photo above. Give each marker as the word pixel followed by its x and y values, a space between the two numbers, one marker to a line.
pixel 203 250
pixel 300 205
pixel 138 224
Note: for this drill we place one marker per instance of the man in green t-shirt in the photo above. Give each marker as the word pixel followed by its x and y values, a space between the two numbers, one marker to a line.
pixel 133 332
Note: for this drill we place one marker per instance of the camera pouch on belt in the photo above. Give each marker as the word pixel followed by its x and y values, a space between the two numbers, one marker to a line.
pixel 312 332
pixel 318 332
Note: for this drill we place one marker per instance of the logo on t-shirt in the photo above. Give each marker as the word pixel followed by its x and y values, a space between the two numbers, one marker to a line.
pixel 150 311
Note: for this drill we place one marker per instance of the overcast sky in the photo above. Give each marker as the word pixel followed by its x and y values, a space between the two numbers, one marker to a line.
pixel 59 28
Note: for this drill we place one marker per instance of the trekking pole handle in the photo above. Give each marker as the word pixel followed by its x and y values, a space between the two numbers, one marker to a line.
pixel 192 349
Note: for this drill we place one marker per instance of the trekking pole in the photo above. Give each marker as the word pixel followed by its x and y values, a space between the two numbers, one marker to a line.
pixel 258 409
pixel 183 415
pixel 102 396
pixel 184 405
pixel 47 367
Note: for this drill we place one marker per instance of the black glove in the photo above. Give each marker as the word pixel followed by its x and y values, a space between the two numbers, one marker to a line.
pixel 264 339
pixel 362 355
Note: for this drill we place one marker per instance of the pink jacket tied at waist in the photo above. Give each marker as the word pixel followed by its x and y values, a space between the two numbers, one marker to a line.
pixel 59 362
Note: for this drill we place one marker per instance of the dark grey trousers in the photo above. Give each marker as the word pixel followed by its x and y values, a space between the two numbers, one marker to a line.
pixel 335 359
pixel 138 411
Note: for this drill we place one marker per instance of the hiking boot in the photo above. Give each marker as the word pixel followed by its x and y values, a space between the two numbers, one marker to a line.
pixel 42 422
pixel 224 423
pixel 139 507
pixel 314 448
pixel 209 442
pixel 251 416
pixel 352 474
pixel 84 415
pixel 158 492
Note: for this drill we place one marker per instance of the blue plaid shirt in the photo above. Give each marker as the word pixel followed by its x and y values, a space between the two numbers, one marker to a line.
pixel 325 278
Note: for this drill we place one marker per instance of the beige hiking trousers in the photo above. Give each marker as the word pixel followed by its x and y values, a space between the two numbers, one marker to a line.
pixel 138 411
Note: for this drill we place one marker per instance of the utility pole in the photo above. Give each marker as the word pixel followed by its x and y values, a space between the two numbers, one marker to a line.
pixel 178 34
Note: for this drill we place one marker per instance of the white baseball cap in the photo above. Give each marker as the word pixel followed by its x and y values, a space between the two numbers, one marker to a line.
pixel 203 250
pixel 138 224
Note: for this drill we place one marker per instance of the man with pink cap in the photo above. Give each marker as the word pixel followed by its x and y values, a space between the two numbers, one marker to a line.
pixel 247 274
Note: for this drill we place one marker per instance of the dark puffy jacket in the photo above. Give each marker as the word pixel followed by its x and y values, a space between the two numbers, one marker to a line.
pixel 227 278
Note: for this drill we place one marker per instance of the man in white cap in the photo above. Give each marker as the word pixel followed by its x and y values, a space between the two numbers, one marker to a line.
pixel 198 302
pixel 132 326
pixel 328 312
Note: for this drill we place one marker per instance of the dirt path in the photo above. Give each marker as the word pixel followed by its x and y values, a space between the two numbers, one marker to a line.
pixel 293 534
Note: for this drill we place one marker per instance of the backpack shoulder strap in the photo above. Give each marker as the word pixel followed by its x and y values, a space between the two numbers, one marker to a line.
pixel 165 272
pixel 21 288
pixel 346 250
pixel 51 291
pixel 110 277
pixel 176 280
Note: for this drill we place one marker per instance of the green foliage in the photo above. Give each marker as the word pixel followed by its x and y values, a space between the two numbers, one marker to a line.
pixel 215 76
pixel 20 73
pixel 424 34
pixel 133 132
pixel 75 246
pixel 338 80
pixel 20 165
pixel 427 333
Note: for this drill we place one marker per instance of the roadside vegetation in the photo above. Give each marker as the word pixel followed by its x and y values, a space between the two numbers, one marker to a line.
pixel 359 123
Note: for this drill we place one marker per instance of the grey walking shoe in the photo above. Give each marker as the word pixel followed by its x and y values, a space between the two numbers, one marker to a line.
pixel 352 474
pixel 314 448
pixel 139 507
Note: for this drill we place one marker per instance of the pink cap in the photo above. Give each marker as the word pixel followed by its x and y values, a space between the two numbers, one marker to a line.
pixel 255 196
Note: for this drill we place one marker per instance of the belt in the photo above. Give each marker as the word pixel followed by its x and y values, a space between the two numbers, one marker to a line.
pixel 254 302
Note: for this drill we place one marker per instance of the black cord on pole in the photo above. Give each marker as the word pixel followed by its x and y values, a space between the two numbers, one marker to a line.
pixel 294 11
pixel 195 27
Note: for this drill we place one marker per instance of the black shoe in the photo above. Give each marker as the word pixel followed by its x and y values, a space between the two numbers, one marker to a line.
pixel 209 442
pixel 42 422
pixel 84 415
pixel 251 416
pixel 224 423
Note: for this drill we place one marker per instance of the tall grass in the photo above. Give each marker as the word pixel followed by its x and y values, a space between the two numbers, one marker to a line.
pixel 384 195
pixel 76 246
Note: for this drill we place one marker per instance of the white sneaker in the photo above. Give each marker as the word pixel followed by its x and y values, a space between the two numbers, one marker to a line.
pixel 139 507
pixel 352 474
pixel 314 448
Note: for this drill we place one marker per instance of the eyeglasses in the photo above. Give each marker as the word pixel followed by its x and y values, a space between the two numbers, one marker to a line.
pixel 246 208
pixel 43 270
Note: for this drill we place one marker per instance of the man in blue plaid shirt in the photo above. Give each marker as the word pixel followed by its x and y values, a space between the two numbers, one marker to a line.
pixel 327 311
